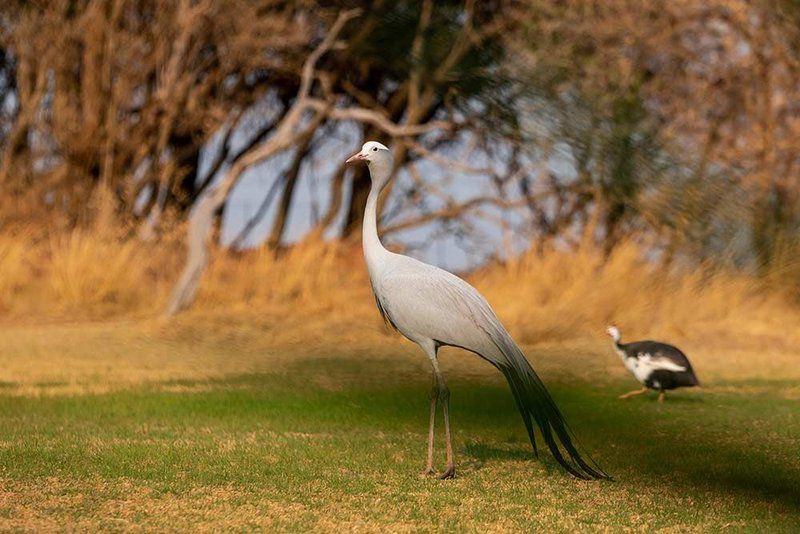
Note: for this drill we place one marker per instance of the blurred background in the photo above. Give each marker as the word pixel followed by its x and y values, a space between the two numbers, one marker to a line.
pixel 186 323
pixel 523 130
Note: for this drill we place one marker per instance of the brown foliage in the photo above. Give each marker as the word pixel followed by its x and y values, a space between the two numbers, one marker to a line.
pixel 719 80
pixel 130 94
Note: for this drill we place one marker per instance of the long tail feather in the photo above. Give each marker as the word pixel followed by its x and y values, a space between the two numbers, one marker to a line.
pixel 536 404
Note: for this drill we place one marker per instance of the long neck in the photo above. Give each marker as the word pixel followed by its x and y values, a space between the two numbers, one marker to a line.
pixel 369 230
pixel 373 249
pixel 620 348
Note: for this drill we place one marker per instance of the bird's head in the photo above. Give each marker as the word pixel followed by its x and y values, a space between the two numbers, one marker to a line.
pixel 379 159
pixel 613 332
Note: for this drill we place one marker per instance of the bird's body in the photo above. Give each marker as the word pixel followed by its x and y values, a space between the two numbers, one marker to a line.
pixel 433 307
pixel 399 287
pixel 657 366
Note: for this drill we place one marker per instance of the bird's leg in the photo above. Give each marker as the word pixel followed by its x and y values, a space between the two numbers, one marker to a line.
pixel 434 400
pixel 443 394
pixel 634 393
pixel 450 469
pixel 661 397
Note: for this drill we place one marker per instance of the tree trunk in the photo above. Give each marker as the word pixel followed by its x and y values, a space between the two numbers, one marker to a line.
pixel 201 222
pixel 290 183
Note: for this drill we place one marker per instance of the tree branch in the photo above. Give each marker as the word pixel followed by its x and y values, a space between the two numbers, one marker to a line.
pixel 378 120
pixel 201 218
pixel 455 210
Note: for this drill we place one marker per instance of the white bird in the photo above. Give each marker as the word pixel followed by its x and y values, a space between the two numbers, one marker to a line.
pixel 433 307
pixel 657 366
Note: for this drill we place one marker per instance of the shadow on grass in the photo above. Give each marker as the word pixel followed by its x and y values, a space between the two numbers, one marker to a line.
pixel 700 441
pixel 695 442
pixel 697 438
pixel 671 398
pixel 484 451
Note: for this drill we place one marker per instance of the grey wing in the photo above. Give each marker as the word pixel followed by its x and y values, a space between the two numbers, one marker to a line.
pixel 433 304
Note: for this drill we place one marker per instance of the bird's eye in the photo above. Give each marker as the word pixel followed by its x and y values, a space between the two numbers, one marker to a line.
pixel 374 149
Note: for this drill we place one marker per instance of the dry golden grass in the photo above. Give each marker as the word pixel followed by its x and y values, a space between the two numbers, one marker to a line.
pixel 75 359
pixel 83 274
pixel 87 272
pixel 131 505
pixel 13 270
pixel 564 295
pixel 313 275
pixel 556 296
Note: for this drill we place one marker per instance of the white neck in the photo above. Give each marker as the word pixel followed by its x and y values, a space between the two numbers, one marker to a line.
pixel 617 348
pixel 373 249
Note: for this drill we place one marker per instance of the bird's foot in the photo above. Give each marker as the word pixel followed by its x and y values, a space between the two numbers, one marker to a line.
pixel 449 473
pixel 633 393
pixel 427 472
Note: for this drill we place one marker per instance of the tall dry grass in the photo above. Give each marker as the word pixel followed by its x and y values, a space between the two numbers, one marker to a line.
pixel 312 276
pixel 87 272
pixel 14 270
pixel 552 296
pixel 561 295
pixel 82 274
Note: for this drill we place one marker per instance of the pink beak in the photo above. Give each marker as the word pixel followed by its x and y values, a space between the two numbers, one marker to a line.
pixel 356 157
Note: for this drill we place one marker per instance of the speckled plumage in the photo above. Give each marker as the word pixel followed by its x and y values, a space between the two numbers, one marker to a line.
pixel 658 366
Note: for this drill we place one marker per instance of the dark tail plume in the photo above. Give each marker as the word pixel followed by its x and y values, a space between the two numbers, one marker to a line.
pixel 536 404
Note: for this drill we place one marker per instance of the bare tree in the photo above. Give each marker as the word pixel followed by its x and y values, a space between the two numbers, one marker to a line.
pixel 131 95
pixel 291 131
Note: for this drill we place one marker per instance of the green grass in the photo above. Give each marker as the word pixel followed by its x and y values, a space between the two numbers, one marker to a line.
pixel 289 451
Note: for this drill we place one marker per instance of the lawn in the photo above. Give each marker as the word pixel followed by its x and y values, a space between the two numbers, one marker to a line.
pixel 239 435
